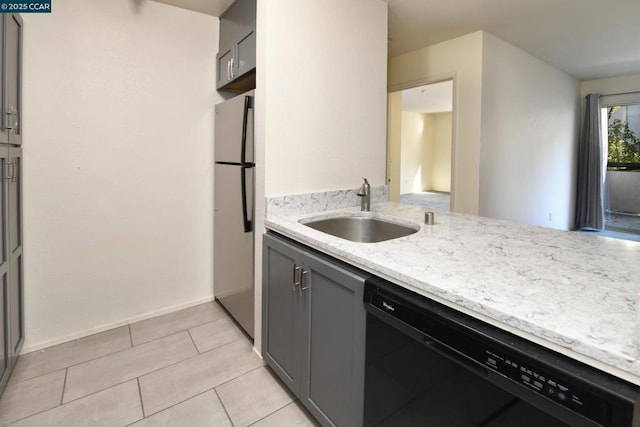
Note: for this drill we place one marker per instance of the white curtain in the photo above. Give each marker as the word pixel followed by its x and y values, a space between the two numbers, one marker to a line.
pixel 590 197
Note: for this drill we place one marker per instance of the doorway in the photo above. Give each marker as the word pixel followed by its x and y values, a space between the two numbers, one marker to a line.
pixel 419 145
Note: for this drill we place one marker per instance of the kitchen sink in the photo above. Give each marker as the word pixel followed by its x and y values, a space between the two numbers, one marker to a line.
pixel 362 229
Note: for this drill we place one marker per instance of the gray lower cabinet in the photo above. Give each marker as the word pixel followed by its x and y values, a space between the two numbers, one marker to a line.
pixel 11 85
pixel 11 265
pixel 314 329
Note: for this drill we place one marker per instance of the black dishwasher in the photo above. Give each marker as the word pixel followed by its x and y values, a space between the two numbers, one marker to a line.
pixel 430 365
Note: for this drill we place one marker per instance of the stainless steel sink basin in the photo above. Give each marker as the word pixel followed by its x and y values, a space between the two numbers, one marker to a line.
pixel 361 229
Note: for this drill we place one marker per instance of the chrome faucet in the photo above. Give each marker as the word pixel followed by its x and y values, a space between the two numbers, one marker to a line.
pixel 365 192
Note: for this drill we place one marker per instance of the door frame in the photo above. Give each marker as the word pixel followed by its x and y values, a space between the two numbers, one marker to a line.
pixel 454 125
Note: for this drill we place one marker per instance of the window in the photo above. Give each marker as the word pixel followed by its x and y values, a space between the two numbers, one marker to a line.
pixel 623 136
pixel 621 114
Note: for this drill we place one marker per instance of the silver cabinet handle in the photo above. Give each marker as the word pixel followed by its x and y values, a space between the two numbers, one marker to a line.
pixel 9 173
pixel 8 120
pixel 295 281
pixel 232 67
pixel 14 173
pixel 11 124
pixel 228 69
pixel 301 285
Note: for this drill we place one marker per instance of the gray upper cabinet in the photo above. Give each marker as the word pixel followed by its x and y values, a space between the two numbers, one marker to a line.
pixel 314 329
pixel 236 59
pixel 12 75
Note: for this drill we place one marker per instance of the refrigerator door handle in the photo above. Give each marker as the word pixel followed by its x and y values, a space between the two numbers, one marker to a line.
pixel 248 226
pixel 245 121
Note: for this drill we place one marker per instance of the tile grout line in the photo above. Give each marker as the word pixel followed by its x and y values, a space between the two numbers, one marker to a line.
pixel 130 335
pixel 224 408
pixel 193 341
pixel 144 415
pixel 235 378
pixel 273 412
pixel 64 386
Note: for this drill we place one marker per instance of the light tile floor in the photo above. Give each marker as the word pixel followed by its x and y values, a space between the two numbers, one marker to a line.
pixel 428 199
pixel 193 367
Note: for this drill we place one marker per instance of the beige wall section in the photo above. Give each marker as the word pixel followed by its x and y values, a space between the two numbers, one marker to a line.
pixel 427 152
pixel 321 109
pixel 413 147
pixel 325 94
pixel 118 195
pixel 394 144
pixel 612 85
pixel 460 59
pixel 440 164
pixel 529 138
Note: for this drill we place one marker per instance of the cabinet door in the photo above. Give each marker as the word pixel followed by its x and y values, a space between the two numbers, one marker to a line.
pixel 223 61
pixel 15 292
pixel 334 343
pixel 245 54
pixel 235 21
pixel 281 310
pixel 13 77
pixel 5 171
pixel 4 134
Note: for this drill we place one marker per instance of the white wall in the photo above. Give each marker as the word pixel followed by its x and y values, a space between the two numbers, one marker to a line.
pixel 440 162
pixel 321 113
pixel 530 114
pixel 460 59
pixel 118 194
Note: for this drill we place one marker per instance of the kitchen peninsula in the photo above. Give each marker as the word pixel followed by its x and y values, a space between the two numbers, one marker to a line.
pixel 574 293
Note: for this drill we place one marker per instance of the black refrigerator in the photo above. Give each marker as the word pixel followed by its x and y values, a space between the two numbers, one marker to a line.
pixel 233 249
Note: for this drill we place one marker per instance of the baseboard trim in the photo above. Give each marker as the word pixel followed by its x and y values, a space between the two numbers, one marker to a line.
pixel 71 337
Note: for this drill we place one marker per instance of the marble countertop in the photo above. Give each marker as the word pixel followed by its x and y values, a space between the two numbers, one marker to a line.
pixel 572 292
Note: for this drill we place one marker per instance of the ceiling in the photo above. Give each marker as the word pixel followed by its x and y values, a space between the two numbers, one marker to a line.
pixel 433 98
pixel 210 7
pixel 588 39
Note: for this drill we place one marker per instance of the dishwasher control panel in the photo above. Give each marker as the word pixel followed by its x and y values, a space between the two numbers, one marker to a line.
pixel 561 391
